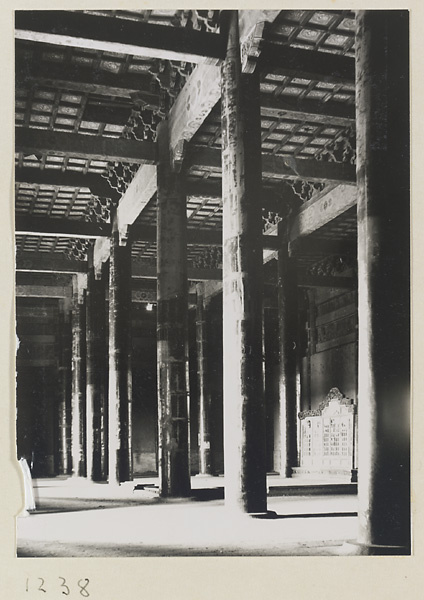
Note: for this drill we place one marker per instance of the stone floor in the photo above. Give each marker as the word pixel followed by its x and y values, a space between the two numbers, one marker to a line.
pixel 75 518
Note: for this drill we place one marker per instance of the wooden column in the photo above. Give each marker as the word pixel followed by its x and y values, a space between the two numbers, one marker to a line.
pixel 172 326
pixel 96 375
pixel 120 375
pixel 382 88
pixel 204 394
pixel 65 389
pixel 287 313
pixel 244 412
pixel 78 419
pixel 312 341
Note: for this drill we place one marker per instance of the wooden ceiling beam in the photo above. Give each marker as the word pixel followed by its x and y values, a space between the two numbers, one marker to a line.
pixel 272 198
pixel 141 270
pixel 331 113
pixel 43 291
pixel 111 115
pixel 317 281
pixel 30 225
pixel 203 90
pixel 84 80
pixel 313 246
pixel 108 34
pixel 39 141
pixel 97 184
pixel 306 64
pixel 318 212
pixel 280 167
pixel 48 263
pixel 138 194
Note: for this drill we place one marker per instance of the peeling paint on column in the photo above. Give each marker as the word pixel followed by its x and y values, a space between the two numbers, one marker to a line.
pixel 120 375
pixel 244 415
pixel 96 376
pixel 64 404
pixel 78 421
pixel 172 326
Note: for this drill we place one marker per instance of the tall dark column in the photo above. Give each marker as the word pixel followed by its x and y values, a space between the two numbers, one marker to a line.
pixel 78 418
pixel 382 92
pixel 204 394
pixel 120 375
pixel 287 313
pixel 65 389
pixel 172 326
pixel 96 376
pixel 244 411
pixel 312 342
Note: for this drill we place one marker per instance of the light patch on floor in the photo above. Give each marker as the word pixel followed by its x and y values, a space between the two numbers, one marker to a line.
pixel 302 525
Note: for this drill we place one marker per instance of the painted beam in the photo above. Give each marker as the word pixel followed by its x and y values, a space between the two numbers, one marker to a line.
pixel 38 141
pixel 141 271
pixel 106 34
pixel 313 246
pixel 135 199
pixel 310 218
pixel 316 281
pixel 196 237
pixel 80 79
pixel 48 262
pixel 333 113
pixel 138 194
pixel 30 225
pixel 279 167
pixel 97 184
pixel 307 64
pixel 203 90
pixel 43 291
pixel 148 270
pixel 317 213
pixel 55 279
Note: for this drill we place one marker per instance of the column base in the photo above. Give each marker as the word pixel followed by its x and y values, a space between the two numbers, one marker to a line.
pixel 354 548
pixel 269 514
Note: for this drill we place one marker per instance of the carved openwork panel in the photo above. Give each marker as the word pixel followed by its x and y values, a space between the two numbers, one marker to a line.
pixel 327 434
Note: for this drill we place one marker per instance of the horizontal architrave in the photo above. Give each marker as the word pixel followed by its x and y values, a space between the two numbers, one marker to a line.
pixel 83 80
pixel 108 34
pixel 36 141
pixel 39 141
pixel 48 263
pixel 138 194
pixel 147 270
pixel 306 64
pixel 280 167
pixel 30 225
pixel 317 281
pixel 196 237
pixel 317 213
pixel 312 246
pixel 331 113
pixel 97 184
pixel 43 291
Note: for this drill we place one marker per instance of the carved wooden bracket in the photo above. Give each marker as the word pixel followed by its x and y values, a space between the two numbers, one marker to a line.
pixel 79 287
pixel 101 254
pixel 178 154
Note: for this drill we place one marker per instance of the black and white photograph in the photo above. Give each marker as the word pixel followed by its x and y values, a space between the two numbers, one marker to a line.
pixel 212 283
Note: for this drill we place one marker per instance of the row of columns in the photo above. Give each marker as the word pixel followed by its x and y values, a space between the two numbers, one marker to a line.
pixel 383 289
